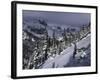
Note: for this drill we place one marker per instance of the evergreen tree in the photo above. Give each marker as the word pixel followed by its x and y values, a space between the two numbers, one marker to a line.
pixel 54 39
pixel 64 36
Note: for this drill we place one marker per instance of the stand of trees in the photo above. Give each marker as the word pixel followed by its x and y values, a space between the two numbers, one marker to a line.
pixel 37 51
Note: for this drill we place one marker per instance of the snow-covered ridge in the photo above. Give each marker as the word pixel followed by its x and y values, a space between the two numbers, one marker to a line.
pixel 63 59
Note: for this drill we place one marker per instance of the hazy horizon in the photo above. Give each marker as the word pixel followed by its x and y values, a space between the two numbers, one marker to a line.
pixel 63 18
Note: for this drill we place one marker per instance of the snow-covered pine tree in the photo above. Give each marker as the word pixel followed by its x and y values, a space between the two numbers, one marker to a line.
pixel 65 37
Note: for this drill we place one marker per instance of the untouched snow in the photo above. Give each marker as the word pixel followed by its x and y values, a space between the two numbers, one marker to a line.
pixel 64 59
pixel 60 60
pixel 84 42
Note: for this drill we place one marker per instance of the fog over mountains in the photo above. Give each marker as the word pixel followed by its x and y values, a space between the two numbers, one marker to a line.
pixel 62 18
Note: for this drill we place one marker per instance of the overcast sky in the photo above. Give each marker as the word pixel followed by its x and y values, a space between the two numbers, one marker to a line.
pixel 63 18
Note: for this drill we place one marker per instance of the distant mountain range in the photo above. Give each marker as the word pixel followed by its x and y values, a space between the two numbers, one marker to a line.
pixel 38 28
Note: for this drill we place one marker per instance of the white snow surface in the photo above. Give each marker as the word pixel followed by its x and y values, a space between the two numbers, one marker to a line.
pixel 60 60
pixel 84 42
pixel 64 58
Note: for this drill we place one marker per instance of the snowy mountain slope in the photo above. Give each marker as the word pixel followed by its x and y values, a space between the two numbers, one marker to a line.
pixel 35 24
pixel 50 45
pixel 84 42
pixel 35 34
pixel 60 60
pixel 66 55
